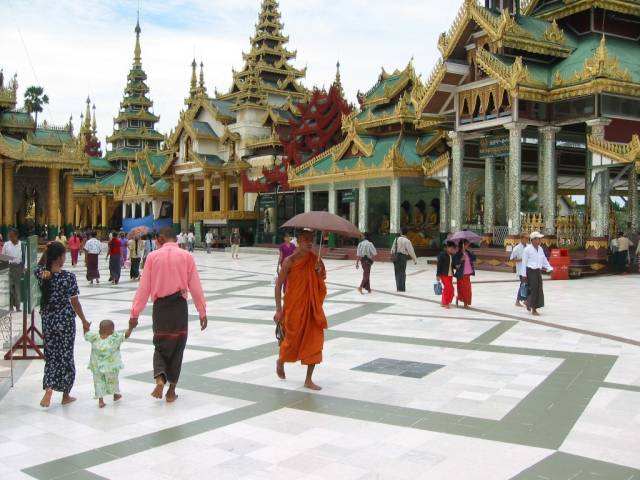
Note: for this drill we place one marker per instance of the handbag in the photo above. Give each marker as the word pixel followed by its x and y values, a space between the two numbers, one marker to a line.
pixel 524 291
pixel 437 288
pixel 279 332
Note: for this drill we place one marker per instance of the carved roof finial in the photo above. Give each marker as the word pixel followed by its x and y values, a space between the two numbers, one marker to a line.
pixel 201 75
pixel 94 123
pixel 194 81
pixel 137 51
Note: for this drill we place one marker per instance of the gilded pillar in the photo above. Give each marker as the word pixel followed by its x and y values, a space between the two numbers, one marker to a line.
pixel 515 175
pixel 599 194
pixel 192 200
pixel 363 206
pixel 53 202
pixel 457 198
pixel 224 193
pixel 596 128
pixel 105 212
pixel 77 214
pixel 633 199
pixel 307 198
pixel 549 175
pixel 177 197
pixel 207 192
pixel 68 205
pixel 94 212
pixel 489 194
pixel 8 215
pixel 240 195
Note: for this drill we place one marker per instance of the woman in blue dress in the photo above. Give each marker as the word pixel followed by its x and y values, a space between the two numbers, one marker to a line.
pixel 59 306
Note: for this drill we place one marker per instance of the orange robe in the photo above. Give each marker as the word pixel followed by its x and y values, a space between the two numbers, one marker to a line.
pixel 303 317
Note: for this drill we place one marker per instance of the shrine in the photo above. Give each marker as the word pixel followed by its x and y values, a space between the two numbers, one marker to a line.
pixel 37 164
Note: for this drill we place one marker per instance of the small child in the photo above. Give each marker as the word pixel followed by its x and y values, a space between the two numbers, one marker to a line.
pixel 105 362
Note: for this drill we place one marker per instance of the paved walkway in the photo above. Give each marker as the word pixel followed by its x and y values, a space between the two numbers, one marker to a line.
pixel 410 391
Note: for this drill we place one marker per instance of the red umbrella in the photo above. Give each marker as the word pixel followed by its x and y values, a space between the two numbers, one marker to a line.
pixel 324 222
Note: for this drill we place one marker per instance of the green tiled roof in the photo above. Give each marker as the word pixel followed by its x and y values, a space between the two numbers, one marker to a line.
pixel 19 119
pixel 63 136
pixel 115 179
pixel 538 27
pixel 203 128
pixel 99 163
pixel 161 185
pixel 158 160
pixel 213 160
pixel 378 88
pixel 223 107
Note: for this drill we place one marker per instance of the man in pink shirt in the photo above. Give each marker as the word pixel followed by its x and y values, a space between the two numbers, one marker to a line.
pixel 169 273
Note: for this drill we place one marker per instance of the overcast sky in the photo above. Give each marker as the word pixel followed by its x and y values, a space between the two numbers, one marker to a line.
pixel 77 47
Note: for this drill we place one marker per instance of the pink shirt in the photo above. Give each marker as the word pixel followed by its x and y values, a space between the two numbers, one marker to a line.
pixel 166 271
pixel 468 270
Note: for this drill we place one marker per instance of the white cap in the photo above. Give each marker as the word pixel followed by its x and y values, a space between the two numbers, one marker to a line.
pixel 535 235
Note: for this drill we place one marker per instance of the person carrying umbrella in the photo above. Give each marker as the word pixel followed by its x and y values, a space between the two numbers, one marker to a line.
pixel 464 269
pixel 302 317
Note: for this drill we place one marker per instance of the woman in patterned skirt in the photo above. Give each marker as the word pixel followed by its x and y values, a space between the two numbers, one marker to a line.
pixel 59 306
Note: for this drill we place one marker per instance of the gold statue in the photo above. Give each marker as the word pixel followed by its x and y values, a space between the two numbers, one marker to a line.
pixel 386 225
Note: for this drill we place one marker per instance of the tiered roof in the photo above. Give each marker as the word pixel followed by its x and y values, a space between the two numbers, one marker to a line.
pixel 134 126
pixel 267 71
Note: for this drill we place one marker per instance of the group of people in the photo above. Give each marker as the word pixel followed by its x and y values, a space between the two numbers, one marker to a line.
pixel 456 261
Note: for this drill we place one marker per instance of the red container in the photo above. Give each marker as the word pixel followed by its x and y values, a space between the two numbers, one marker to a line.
pixel 560 261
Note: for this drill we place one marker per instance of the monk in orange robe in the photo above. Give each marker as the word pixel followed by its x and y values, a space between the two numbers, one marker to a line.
pixel 302 318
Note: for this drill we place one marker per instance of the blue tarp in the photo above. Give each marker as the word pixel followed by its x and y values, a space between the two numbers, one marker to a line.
pixel 148 221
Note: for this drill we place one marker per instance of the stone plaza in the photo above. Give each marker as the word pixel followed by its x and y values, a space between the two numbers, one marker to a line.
pixel 410 390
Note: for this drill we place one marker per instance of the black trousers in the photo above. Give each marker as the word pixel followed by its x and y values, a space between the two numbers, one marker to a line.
pixel 170 331
pixel 366 273
pixel 134 271
pixel 400 270
pixel 536 293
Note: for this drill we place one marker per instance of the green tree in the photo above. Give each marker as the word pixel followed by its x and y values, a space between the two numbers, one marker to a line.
pixel 34 99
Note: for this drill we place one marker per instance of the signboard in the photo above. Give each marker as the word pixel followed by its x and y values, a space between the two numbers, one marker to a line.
pixel 30 286
pixel 267 201
pixel 494 146
pixel 349 196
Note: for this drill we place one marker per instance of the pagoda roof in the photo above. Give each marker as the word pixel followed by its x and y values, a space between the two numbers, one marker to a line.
pixel 389 86
pixel 569 7
pixel 144 176
pixel 100 164
pixel 70 155
pixel 52 137
pixel 142 133
pixel 16 120
pixel 131 114
pixel 104 184
pixel 203 130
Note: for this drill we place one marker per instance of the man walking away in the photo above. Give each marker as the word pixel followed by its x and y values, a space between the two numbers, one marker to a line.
pixel 302 319
pixel 621 256
pixel 403 249
pixel 208 239
pixel 235 243
pixel 521 270
pixel 191 240
pixel 534 260
pixel 92 248
pixel 365 254
pixel 169 274
pixel 13 249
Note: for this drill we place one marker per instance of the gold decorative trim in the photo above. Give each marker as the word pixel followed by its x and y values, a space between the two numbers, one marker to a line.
pixel 554 33
pixel 601 64
pixel 225 215
pixel 596 244
pixel 618 152
pixel 430 168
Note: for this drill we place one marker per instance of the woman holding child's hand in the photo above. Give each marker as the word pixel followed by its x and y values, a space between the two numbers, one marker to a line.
pixel 59 306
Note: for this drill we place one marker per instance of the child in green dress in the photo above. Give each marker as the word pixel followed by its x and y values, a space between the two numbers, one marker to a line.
pixel 105 362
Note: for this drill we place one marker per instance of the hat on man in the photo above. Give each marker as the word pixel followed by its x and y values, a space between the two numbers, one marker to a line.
pixel 535 235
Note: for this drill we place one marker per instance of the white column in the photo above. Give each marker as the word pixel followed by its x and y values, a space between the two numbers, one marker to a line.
pixel 307 198
pixel 489 194
pixel 154 208
pixel 124 210
pixel 394 206
pixel 144 208
pixel 363 206
pixel 333 197
pixel 444 208
pixel 549 173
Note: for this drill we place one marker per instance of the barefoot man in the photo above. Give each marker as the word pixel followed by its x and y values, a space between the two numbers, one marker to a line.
pixel 169 273
pixel 302 317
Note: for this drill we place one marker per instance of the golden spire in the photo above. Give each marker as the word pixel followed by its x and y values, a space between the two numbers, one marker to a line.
pixel 94 123
pixel 137 51
pixel 338 81
pixel 201 85
pixel 87 116
pixel 194 80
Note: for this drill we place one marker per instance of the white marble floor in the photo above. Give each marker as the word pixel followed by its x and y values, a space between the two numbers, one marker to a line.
pixel 485 393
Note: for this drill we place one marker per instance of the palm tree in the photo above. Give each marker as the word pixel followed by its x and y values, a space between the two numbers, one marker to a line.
pixel 34 99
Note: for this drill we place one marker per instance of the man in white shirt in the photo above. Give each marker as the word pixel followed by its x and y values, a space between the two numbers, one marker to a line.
pixel 13 249
pixel 365 255
pixel 180 239
pixel 534 260
pixel 191 240
pixel 92 248
pixel 208 239
pixel 403 249
pixel 521 271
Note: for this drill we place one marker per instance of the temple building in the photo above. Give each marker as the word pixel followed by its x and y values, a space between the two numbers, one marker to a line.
pixel 539 98
pixel 316 127
pixel 126 187
pixel 220 139
pixel 374 176
pixel 37 165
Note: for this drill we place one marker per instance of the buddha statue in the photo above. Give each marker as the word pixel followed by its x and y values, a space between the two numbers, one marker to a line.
pixel 385 227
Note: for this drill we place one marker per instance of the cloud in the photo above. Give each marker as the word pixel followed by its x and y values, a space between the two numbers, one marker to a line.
pixel 79 47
